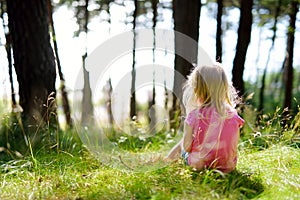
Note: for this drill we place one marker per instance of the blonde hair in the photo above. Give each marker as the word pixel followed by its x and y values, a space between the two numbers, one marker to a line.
pixel 208 86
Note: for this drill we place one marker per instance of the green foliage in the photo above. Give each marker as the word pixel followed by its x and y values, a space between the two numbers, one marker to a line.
pixel 264 131
pixel 139 143
pixel 140 138
pixel 274 92
pixel 13 139
pixel 267 8
pixel 268 174
pixel 263 10
pixel 102 6
pixel 18 139
pixel 268 166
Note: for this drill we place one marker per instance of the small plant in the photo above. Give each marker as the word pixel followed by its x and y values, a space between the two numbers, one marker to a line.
pixel 293 133
pixel 19 138
pixel 268 130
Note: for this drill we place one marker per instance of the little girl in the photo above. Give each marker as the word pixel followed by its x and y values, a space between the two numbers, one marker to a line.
pixel 211 129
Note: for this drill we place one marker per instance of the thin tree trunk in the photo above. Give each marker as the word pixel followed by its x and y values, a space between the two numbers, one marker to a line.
pixel 87 105
pixel 278 90
pixel 288 67
pixel 133 72
pixel 258 56
pixel 109 15
pixel 65 101
pixel 219 31
pixel 244 36
pixel 152 118
pixel 261 94
pixel 258 50
pixel 9 57
pixel 108 91
pixel 107 3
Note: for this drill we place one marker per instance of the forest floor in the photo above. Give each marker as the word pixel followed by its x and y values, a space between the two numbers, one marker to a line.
pixel 272 173
pixel 131 167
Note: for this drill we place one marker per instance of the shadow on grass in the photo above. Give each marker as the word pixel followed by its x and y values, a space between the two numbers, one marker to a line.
pixel 236 183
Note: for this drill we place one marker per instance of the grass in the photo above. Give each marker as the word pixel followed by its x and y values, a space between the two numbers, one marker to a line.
pixel 268 168
pixel 272 173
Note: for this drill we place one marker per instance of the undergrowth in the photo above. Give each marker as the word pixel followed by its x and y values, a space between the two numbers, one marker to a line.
pixel 268 167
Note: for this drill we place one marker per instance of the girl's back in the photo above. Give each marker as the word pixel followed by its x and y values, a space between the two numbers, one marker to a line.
pixel 215 139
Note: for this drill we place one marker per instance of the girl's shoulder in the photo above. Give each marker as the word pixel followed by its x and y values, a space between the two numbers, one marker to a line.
pixel 193 113
pixel 193 116
pixel 233 115
pixel 208 112
pixel 200 112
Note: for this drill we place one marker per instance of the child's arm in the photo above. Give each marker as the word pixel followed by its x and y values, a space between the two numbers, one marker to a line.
pixel 187 138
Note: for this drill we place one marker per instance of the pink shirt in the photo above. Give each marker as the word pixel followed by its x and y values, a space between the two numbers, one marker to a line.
pixel 215 140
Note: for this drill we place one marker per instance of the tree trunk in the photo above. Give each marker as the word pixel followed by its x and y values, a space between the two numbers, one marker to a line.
pixel 288 67
pixel 64 94
pixel 108 89
pixel 151 103
pixel 33 59
pixel 219 31
pixel 261 94
pixel 133 72
pixel 186 16
pixel 87 104
pixel 9 56
pixel 244 36
pixel 258 56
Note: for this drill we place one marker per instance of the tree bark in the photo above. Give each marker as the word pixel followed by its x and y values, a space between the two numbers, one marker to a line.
pixel 244 36
pixel 151 103
pixel 87 104
pixel 133 72
pixel 108 89
pixel 186 16
pixel 219 31
pixel 9 56
pixel 186 21
pixel 261 94
pixel 33 59
pixel 64 94
pixel 288 67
